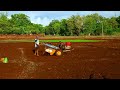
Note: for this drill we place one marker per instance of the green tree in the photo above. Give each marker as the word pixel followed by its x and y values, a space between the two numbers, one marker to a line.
pixel 118 20
pixel 110 25
pixel 5 25
pixel 78 24
pixel 54 27
pixel 63 27
pixel 74 25
pixel 47 30
pixel 92 24
pixel 70 25
pixel 20 20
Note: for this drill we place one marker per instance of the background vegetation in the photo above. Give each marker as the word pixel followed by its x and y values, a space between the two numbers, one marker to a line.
pixel 76 25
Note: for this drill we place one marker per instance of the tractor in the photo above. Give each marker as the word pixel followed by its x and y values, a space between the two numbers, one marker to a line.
pixel 51 49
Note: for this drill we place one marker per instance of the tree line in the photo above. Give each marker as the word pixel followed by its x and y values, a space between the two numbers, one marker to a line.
pixel 75 25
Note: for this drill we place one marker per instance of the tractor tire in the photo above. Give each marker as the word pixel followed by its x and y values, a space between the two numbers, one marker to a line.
pixel 58 53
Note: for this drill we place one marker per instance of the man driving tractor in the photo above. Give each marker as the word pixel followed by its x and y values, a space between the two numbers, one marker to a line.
pixel 64 46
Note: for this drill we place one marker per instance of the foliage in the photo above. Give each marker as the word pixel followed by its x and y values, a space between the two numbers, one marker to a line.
pixel 75 25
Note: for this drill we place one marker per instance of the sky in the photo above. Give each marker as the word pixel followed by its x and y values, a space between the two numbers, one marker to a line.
pixel 45 17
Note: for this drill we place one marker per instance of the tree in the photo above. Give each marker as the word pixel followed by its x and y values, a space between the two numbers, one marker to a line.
pixel 5 25
pixel 37 28
pixel 92 24
pixel 70 25
pixel 118 20
pixel 110 25
pixel 63 27
pixel 20 20
pixel 54 27
pixel 47 30
pixel 78 24
pixel 88 25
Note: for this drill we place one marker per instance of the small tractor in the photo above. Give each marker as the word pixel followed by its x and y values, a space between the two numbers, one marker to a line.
pixel 51 49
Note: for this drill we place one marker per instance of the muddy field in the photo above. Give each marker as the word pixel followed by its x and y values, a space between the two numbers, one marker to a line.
pixel 98 60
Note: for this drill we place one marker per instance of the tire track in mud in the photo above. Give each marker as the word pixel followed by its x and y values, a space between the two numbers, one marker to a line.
pixel 30 67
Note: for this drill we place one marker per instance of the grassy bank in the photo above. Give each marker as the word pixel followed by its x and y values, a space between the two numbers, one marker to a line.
pixel 76 40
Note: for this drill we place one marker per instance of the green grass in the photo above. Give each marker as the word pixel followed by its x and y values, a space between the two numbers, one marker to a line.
pixel 15 41
pixel 71 40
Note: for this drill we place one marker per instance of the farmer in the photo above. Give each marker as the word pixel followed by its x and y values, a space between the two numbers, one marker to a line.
pixel 61 45
pixel 37 46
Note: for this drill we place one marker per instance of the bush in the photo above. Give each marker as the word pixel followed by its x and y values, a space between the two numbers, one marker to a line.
pixel 1 31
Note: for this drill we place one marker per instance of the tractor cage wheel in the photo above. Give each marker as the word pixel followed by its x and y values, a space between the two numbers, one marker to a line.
pixel 58 53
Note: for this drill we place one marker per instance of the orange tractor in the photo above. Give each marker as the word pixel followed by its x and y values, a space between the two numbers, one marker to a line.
pixel 51 49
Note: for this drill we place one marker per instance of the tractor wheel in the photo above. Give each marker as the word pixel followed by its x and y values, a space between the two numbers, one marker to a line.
pixel 58 53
